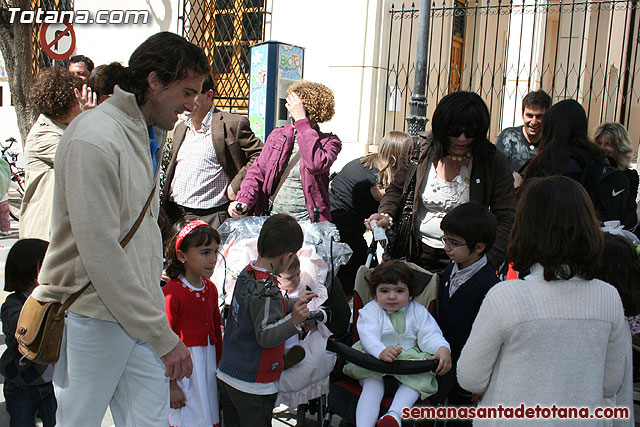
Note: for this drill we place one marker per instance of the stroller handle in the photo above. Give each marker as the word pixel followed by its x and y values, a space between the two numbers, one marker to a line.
pixel 398 367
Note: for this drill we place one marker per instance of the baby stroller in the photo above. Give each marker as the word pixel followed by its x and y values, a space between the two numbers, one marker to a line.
pixel 306 384
pixel 345 391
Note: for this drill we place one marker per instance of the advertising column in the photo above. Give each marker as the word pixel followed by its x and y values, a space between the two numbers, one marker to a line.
pixel 274 67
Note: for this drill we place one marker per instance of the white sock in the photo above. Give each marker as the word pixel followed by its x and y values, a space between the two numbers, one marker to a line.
pixel 405 397
pixel 369 403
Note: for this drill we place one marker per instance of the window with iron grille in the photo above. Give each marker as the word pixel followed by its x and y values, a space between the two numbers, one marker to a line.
pixel 225 29
pixel 39 59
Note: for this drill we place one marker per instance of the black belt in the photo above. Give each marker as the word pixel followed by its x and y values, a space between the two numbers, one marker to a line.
pixel 203 212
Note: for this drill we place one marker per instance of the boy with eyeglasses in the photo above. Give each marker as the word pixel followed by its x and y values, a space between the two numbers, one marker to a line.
pixel 469 231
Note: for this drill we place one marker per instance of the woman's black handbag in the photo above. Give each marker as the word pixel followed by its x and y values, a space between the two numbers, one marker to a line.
pixel 400 239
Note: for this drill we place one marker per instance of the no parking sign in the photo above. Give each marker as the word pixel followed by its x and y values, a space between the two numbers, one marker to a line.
pixel 58 41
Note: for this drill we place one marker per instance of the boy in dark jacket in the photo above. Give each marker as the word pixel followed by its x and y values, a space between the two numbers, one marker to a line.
pixel 259 323
pixel 469 232
pixel 27 386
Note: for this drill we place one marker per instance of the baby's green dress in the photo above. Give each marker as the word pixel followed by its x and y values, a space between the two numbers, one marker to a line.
pixel 424 383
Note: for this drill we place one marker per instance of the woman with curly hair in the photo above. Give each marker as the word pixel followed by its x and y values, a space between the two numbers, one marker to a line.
pixel 292 173
pixel 53 97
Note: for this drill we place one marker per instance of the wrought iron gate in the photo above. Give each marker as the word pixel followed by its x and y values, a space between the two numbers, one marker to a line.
pixel 225 29
pixel 585 50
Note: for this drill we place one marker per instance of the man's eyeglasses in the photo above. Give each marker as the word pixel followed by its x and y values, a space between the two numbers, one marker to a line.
pixel 451 245
pixel 455 132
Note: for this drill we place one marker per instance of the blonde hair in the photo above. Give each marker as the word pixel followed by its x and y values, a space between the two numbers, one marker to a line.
pixel 386 159
pixel 317 100
pixel 620 139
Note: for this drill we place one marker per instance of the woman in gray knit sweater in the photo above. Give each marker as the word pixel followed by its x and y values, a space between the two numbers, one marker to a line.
pixel 558 336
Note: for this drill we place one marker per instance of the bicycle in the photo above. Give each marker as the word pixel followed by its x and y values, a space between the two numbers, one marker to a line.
pixel 17 184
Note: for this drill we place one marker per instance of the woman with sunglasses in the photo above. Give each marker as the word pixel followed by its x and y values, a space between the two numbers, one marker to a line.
pixel 456 164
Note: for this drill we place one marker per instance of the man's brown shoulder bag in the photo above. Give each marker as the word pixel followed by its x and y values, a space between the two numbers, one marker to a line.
pixel 40 326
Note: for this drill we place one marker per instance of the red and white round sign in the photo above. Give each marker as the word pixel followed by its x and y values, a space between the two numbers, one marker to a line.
pixel 58 41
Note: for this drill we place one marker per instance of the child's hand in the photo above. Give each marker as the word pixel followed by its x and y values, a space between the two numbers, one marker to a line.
pixel 300 311
pixel 390 353
pixel 309 326
pixel 444 356
pixel 176 396
pixel 165 277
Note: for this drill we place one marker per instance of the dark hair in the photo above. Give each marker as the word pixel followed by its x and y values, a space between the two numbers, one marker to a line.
pixel 564 128
pixel 52 92
pixel 620 267
pixel 200 236
pixel 473 222
pixel 392 272
pixel 81 58
pixel 172 57
pixel 207 84
pixel 555 226
pixel 23 264
pixel 104 78
pixel 460 110
pixel 280 234
pixel 539 99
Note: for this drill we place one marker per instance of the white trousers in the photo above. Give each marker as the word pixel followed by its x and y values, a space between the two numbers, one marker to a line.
pixel 102 365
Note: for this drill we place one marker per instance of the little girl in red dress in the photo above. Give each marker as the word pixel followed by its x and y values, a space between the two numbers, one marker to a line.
pixel 191 303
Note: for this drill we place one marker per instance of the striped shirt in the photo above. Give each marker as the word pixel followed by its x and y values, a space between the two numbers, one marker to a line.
pixel 459 277
pixel 199 181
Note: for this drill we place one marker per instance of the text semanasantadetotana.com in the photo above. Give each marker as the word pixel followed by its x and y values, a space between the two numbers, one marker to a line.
pixel 518 412
pixel 41 16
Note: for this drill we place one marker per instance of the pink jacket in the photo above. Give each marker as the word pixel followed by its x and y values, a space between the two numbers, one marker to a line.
pixel 318 151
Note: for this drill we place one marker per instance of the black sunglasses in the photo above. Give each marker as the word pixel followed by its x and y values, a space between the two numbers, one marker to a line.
pixel 455 132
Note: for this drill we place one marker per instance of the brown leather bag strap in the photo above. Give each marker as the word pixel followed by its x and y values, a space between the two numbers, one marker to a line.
pixel 285 174
pixel 126 239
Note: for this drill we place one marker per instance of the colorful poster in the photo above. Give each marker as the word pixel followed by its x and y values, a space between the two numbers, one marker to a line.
pixel 290 62
pixel 258 90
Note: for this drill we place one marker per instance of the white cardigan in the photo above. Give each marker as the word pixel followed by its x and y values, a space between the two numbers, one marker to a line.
pixel 562 342
pixel 376 331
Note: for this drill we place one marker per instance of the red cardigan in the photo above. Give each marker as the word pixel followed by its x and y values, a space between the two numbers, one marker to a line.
pixel 194 315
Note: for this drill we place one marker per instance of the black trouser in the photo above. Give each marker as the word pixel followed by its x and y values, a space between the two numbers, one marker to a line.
pixel 432 259
pixel 347 273
pixel 24 401
pixel 241 409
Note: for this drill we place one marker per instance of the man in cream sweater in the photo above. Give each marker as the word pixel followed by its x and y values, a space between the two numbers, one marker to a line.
pixel 118 349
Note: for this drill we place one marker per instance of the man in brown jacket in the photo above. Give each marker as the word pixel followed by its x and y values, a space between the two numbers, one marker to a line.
pixel 212 151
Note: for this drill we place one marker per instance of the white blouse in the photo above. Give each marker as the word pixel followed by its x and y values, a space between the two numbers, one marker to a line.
pixel 437 198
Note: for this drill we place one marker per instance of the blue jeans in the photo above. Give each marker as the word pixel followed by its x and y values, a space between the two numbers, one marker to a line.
pixel 102 365
pixel 23 401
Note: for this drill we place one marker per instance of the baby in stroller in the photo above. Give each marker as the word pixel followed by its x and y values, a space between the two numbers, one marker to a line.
pixel 307 363
pixel 309 377
pixel 391 327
